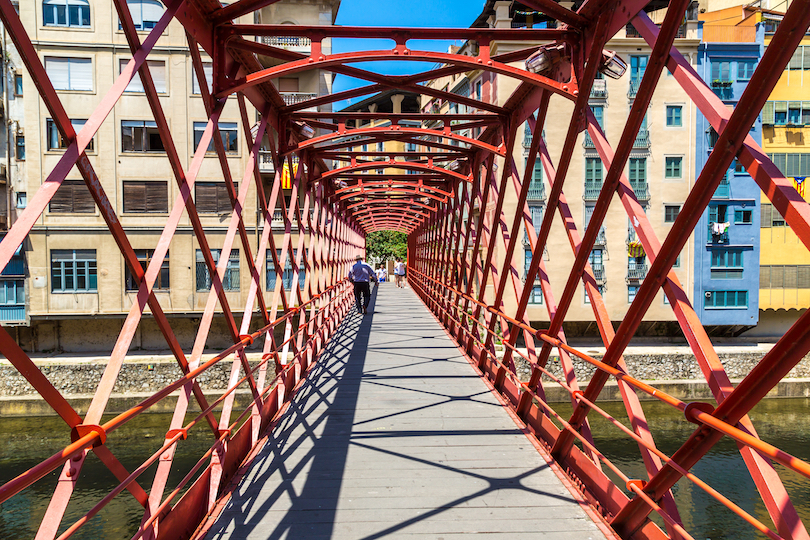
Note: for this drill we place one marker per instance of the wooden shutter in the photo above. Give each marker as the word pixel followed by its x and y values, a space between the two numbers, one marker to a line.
pixel 223 201
pixel 157 197
pixel 206 197
pixel 765 216
pixel 72 197
pixel 134 197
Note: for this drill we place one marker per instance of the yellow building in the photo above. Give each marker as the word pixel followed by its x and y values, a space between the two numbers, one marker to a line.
pixel 785 262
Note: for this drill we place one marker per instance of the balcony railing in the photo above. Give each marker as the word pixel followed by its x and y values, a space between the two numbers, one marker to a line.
pixel 631 32
pixel 537 191
pixel 634 84
pixel 599 88
pixel 642 139
pixel 288 42
pixel 592 190
pixel 12 313
pixel 266 162
pixel 723 190
pixel 598 271
pixel 636 272
pixel 293 98
pixel 588 142
pixel 641 189
pixel 601 240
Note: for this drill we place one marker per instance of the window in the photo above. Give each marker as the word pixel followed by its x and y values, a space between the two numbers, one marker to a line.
pixel 744 217
pixel 800 59
pixel 593 177
pixel 20 147
pixel 228 132
pixel 671 212
pixel 66 13
pixel 208 71
pixel 784 277
pixel 230 280
pixel 145 257
pixel 727 264
pixel 140 136
pixel 673 167
pixel 638 64
pixel 212 197
pixel 638 177
pixel 674 116
pixel 536 296
pixel 599 114
pixel 157 68
pixel 73 271
pixel 145 13
pixel 146 197
pixel 725 299
pixel 22 199
pixel 745 68
pixel 717 213
pixel 600 288
pixel 55 139
pixel 770 217
pixel 70 73
pixel 794 112
pixel 632 290
pixel 721 71
pixel 72 197
pixel 288 273
pixel 595 259
pixel 793 164
pixel 18 84
pixel 12 292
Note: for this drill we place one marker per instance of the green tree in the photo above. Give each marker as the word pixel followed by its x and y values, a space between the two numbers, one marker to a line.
pixel 387 245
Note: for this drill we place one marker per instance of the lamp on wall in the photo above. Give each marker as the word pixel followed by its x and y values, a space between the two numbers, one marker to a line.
pixel 612 64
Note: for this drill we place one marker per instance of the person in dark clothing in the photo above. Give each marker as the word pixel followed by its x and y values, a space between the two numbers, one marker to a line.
pixel 361 274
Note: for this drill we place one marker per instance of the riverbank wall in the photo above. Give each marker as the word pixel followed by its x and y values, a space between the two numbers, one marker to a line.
pixel 670 369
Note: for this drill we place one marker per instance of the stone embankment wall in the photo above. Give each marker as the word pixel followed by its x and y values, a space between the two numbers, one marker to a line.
pixel 77 379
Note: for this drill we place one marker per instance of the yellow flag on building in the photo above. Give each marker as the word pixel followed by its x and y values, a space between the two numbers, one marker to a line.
pixel 286 177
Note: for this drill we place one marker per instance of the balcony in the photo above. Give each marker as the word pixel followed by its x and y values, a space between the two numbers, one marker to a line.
pixel 592 190
pixel 723 190
pixel 598 272
pixel 600 238
pixel 641 189
pixel 266 162
pixel 12 313
pixel 294 98
pixel 537 191
pixel 723 88
pixel 716 235
pixel 588 142
pixel 599 89
pixel 636 272
pixel 631 32
pixel 291 43
pixel 634 84
pixel 278 221
pixel 642 139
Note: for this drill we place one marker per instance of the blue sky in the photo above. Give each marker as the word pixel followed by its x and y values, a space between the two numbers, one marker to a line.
pixel 420 13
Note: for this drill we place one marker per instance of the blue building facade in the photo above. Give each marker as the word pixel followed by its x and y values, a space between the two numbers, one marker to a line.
pixel 727 236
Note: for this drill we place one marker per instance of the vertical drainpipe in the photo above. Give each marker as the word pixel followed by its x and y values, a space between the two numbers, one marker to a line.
pixel 7 124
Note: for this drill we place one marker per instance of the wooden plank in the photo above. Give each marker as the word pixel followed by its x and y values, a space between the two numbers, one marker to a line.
pixel 395 436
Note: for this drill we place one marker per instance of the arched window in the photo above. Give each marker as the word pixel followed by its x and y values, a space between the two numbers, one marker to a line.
pixel 66 13
pixel 145 13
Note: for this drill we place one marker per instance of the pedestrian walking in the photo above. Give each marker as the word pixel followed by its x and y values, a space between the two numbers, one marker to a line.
pixel 381 274
pixel 360 274
pixel 399 273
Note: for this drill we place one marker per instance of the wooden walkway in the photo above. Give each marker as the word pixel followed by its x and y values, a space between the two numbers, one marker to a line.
pixel 395 436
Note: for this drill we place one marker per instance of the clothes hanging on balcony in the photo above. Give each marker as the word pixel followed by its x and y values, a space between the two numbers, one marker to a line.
pixel 720 228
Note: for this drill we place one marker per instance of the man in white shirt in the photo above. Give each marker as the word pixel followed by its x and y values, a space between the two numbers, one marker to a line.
pixel 381 274
pixel 361 274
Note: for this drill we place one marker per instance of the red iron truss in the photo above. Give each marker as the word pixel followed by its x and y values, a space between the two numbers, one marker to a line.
pixel 449 198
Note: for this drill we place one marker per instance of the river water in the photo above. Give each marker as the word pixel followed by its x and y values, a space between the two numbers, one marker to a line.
pixel 27 441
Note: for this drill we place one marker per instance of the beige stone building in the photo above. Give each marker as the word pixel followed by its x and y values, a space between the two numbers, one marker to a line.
pixel 661 167
pixel 78 289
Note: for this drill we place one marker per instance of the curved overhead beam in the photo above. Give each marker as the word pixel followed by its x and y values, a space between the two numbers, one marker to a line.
pixel 407 165
pixel 366 191
pixel 389 211
pixel 399 54
pixel 389 200
pixel 397 130
pixel 415 185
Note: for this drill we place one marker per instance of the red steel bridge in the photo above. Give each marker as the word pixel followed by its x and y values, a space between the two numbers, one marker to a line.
pixel 450 259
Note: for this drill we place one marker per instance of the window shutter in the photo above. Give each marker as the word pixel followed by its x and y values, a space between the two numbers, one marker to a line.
pixel 81 74
pixel 157 68
pixel 803 277
pixel 83 202
pixel 206 198
pixel 58 70
pixel 780 106
pixel 157 196
pixel 767 113
pixel 796 59
pixel 777 277
pixel 135 85
pixel 134 197
pixel 765 216
pixel 62 201
pixel 804 169
pixel 791 277
pixel 764 277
